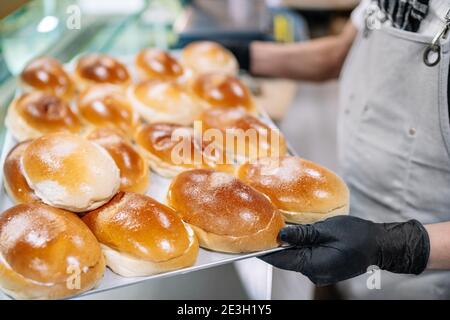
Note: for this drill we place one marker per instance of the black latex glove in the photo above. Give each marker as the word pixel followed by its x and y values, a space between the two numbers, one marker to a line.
pixel 344 247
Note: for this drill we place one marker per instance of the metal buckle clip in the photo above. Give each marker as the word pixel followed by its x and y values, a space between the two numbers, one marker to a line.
pixel 434 47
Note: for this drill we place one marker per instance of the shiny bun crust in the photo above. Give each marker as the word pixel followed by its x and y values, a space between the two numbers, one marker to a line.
pixel 134 172
pixel 45 251
pixel 106 105
pixel 206 56
pixel 156 144
pixel 71 173
pixel 164 101
pixel 157 64
pixel 166 147
pixel 37 113
pixel 226 214
pixel 141 236
pixel 48 75
pixel 303 191
pixel 219 90
pixel 236 122
pixel 15 183
pixel 100 68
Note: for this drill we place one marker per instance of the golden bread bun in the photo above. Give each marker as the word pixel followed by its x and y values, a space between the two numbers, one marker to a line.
pixel 219 90
pixel 97 68
pixel 164 101
pixel 257 138
pixel 171 149
pixel 68 172
pixel 15 183
pixel 157 64
pixel 134 173
pixel 206 56
pixel 48 75
pixel 106 105
pixel 141 237
pixel 37 113
pixel 226 214
pixel 47 253
pixel 303 191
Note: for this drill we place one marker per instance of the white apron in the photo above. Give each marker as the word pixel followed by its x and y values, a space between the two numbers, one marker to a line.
pixel 394 146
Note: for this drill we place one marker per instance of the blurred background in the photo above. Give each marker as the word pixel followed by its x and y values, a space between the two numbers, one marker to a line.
pixel 305 112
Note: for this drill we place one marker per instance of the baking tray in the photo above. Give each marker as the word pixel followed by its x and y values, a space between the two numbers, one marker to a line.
pixel 158 187
pixel 157 190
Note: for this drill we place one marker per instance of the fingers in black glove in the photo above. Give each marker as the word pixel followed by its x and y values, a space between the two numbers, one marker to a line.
pixel 303 234
pixel 344 247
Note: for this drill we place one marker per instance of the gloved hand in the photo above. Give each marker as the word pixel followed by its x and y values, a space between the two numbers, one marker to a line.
pixel 344 247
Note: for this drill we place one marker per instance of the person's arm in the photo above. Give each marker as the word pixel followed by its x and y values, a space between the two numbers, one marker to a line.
pixel 440 245
pixel 344 247
pixel 314 60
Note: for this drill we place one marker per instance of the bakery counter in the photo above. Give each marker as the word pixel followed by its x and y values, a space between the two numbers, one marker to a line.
pixel 97 196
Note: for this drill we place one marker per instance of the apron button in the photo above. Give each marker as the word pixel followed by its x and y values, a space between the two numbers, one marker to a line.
pixel 347 111
pixel 412 131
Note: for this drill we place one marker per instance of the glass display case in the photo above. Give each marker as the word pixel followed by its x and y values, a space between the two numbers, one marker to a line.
pixel 67 28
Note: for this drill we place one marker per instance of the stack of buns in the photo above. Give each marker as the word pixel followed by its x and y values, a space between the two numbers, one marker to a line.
pixel 79 173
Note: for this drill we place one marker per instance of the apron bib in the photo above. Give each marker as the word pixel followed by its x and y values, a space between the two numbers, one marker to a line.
pixel 394 145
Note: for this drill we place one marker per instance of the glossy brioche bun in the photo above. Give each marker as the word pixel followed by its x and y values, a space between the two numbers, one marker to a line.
pixel 37 113
pixel 140 236
pixel 257 138
pixel 15 183
pixel 164 101
pixel 171 149
pixel 303 191
pixel 206 56
pixel 69 172
pixel 134 173
pixel 47 253
pixel 106 105
pixel 152 63
pixel 226 214
pixel 98 68
pixel 48 75
pixel 219 90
